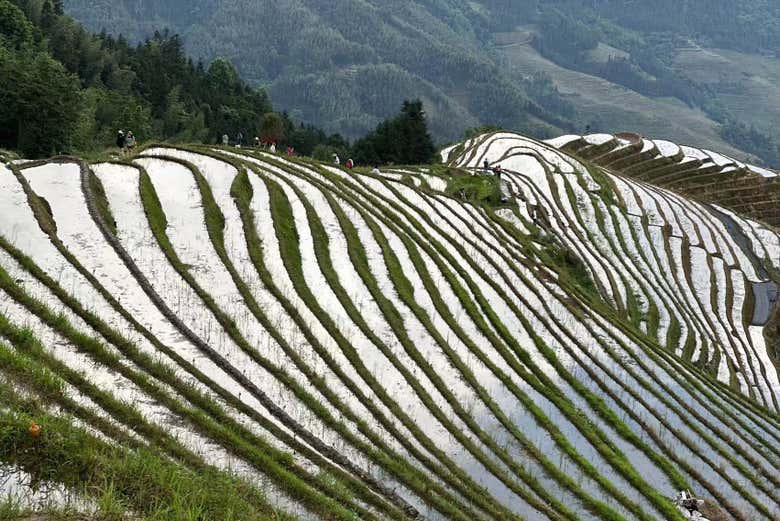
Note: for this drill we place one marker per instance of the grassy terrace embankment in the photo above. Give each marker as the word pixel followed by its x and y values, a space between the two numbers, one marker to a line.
pixel 333 345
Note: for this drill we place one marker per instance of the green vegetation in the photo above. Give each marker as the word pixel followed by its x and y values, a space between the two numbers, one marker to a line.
pixel 121 479
pixel 65 90
pixel 70 92
pixel 763 143
pixel 404 140
pixel 348 66
pixel 476 189
pixel 452 474
pixel 383 347
pixel 645 40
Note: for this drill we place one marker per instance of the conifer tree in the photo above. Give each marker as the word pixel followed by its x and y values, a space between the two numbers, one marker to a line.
pixel 402 140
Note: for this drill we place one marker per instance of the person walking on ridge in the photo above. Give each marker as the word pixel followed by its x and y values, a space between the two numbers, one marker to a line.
pixel 129 141
pixel 350 164
pixel 120 142
pixel 225 140
pixel 336 160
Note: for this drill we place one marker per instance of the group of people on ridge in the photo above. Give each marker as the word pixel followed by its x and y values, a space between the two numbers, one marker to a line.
pixel 337 161
pixel 497 171
pixel 268 144
pixel 125 142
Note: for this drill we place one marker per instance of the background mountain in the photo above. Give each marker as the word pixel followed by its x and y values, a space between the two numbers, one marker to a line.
pixel 694 71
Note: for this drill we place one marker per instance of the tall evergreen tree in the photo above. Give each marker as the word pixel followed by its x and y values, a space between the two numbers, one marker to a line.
pixel 418 144
pixel 402 140
pixel 41 103
pixel 15 29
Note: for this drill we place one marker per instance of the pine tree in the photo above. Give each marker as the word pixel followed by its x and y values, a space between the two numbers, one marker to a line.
pixel 418 144
pixel 48 15
pixel 15 29
pixel 402 140
pixel 46 106
pixel 272 128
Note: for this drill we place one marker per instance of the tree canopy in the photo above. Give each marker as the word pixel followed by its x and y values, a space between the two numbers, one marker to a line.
pixel 403 140
pixel 65 90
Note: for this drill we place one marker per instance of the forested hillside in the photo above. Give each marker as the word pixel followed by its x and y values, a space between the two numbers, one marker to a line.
pixel 65 90
pixel 348 64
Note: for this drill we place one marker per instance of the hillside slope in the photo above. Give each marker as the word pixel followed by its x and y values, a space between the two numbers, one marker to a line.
pixel 359 346
pixel 699 173
pixel 344 65
pixel 543 68
pixel 608 105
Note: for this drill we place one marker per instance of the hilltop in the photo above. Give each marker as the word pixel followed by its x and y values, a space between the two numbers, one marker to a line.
pixel 223 333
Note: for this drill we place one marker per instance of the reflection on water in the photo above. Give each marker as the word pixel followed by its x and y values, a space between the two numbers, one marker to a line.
pixel 21 489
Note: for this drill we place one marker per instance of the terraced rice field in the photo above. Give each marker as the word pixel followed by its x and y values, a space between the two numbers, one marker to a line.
pixel 325 345
pixel 698 173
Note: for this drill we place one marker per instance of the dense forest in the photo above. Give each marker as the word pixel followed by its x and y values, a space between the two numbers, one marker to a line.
pixel 347 65
pixel 64 90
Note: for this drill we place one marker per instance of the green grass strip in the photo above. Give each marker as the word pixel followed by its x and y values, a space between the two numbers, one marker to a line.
pixel 215 223
pixel 571 413
pixel 164 374
pixel 263 456
pixel 284 211
pixel 751 476
pixel 732 458
pixel 290 480
pixel 560 438
pixel 141 480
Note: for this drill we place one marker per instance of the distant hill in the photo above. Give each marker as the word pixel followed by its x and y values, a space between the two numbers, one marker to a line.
pixel 541 67
pixel 346 64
